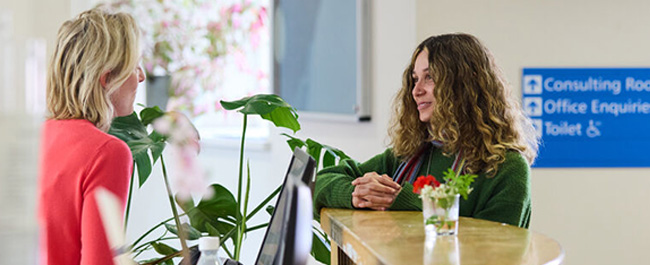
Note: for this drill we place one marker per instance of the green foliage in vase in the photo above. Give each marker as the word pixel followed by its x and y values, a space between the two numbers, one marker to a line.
pixel 459 183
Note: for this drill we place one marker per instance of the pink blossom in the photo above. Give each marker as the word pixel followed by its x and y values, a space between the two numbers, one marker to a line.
pixel 162 125
pixel 255 39
pixel 184 140
pixel 198 70
pixel 178 128
pixel 261 16
pixel 200 109
pixel 189 176
pixel 259 22
pixel 217 106
pixel 236 8
pixel 262 12
pixel 236 21
pixel 261 75
pixel 214 26
pixel 256 25
pixel 240 59
pixel 149 67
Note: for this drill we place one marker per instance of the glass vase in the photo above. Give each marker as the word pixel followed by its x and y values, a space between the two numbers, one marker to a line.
pixel 441 215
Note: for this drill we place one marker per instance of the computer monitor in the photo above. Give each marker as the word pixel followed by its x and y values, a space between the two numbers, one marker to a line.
pixel 308 176
pixel 288 236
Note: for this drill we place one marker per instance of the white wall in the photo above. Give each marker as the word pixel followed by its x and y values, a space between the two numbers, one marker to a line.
pixel 599 216
pixel 16 32
pixel 32 19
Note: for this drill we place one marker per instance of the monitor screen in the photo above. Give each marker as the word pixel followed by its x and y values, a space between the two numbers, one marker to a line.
pixel 290 223
pixel 306 168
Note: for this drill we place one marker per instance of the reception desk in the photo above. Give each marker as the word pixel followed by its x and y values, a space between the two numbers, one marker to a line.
pixel 398 237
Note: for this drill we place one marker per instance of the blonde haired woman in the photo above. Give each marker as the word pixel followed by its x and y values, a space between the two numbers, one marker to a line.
pixel 92 78
pixel 454 105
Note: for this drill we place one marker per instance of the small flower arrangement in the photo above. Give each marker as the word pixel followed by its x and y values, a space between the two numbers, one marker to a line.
pixel 454 184
pixel 439 200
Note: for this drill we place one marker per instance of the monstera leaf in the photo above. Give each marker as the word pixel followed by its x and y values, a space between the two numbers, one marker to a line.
pixel 192 233
pixel 148 115
pixel 133 131
pixel 270 107
pixel 215 213
pixel 163 249
pixel 315 149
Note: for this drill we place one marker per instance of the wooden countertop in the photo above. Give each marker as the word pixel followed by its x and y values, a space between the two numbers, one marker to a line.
pixel 398 237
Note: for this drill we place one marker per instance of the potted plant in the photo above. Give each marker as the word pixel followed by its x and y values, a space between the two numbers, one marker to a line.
pixel 223 215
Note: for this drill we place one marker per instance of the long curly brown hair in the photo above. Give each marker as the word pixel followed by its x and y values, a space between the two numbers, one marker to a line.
pixel 474 109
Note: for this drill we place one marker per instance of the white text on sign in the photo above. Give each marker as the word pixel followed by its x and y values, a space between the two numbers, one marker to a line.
pixel 563 128
pixel 596 106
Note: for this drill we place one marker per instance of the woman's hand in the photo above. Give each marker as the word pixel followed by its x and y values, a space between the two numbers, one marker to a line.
pixel 374 191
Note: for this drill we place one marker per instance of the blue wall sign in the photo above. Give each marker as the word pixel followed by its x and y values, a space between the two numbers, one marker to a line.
pixel 589 117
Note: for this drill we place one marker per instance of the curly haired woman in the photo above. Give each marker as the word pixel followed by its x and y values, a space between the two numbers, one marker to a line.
pixel 92 78
pixel 454 110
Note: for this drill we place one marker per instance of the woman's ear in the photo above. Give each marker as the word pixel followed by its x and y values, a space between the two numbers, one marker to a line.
pixel 103 79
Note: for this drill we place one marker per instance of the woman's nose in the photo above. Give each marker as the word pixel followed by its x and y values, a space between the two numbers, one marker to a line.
pixel 417 89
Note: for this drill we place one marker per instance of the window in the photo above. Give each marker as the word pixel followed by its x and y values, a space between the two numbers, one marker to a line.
pixel 321 56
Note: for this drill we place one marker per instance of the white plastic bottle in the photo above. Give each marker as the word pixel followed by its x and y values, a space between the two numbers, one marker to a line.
pixel 209 246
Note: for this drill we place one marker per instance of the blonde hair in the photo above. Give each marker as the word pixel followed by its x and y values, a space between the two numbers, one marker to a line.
pixel 473 111
pixel 92 44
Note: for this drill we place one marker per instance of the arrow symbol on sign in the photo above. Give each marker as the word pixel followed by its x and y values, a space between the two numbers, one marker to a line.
pixel 532 106
pixel 532 83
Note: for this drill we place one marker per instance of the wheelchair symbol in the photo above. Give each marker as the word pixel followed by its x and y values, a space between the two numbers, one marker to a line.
pixel 592 130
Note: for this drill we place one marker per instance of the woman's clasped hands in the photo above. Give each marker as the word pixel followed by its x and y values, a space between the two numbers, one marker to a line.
pixel 374 191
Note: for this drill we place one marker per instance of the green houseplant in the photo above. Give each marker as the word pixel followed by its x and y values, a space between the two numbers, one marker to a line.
pixel 223 215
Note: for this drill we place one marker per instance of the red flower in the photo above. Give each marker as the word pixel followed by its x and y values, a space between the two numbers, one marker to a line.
pixel 422 181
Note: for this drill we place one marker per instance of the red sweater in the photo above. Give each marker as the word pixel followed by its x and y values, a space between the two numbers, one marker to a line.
pixel 76 158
